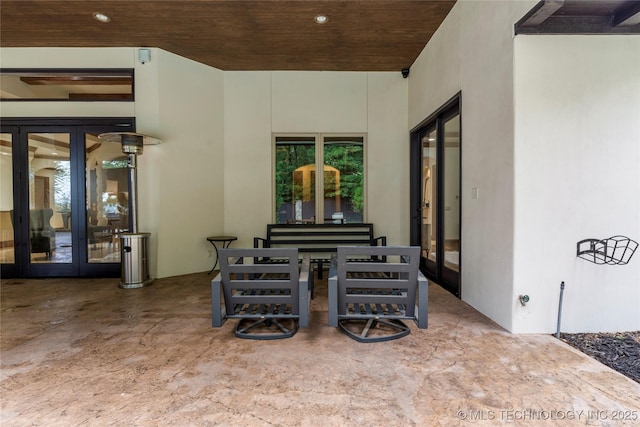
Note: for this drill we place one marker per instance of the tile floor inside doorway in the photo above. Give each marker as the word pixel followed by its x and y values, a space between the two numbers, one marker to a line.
pixel 85 352
pixel 99 252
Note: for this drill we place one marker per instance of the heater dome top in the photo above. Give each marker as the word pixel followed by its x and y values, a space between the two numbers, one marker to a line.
pixel 121 137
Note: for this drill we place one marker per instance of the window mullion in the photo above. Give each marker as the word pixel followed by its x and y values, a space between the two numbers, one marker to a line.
pixel 319 179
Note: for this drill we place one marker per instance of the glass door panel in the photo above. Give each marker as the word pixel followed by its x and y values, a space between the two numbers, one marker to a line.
pixel 63 198
pixel 435 202
pixel 295 176
pixel 50 198
pixel 343 179
pixel 7 233
pixel 429 206
pixel 451 217
pixel 106 199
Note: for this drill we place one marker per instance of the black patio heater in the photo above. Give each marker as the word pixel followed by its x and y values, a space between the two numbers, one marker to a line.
pixel 133 245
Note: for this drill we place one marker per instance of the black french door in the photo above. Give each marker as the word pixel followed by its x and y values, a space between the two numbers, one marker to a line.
pixel 63 197
pixel 435 195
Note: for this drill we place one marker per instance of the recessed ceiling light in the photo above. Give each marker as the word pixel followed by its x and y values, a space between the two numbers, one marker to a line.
pixel 101 17
pixel 321 19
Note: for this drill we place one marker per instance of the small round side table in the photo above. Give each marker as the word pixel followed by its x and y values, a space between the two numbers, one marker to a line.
pixel 226 241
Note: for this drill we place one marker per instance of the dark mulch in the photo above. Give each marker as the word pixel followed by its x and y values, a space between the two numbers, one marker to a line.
pixel 619 351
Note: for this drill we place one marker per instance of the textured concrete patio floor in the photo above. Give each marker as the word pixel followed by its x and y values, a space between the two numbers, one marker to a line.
pixel 86 353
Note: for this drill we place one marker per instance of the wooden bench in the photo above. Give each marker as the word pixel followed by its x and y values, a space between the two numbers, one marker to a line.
pixel 320 241
pixel 368 300
pixel 265 297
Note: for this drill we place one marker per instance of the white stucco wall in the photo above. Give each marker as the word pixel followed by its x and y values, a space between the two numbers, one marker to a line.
pixel 435 74
pixel 181 180
pixel 388 156
pixel 317 101
pixel 472 53
pixel 577 151
pixel 258 104
pixel 247 138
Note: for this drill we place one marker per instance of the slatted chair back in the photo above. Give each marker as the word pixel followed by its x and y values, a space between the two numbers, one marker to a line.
pixel 318 240
pixel 380 286
pixel 261 293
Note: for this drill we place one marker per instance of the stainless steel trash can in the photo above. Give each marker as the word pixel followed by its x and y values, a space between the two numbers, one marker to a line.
pixel 134 259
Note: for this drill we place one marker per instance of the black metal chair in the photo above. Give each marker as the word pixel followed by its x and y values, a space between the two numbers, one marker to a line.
pixel 372 289
pixel 271 300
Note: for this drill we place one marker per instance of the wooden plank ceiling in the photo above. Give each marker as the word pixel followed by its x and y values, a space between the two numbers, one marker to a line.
pixel 369 35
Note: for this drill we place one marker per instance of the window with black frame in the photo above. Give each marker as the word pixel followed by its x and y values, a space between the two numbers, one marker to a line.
pixel 297 160
pixel 66 85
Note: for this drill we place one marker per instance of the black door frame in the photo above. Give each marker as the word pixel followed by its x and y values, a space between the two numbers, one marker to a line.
pixel 76 128
pixel 446 278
